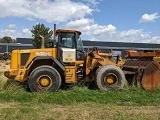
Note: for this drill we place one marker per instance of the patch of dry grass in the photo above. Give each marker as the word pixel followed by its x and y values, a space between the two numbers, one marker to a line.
pixel 3 80
pixel 83 111
pixel 4 65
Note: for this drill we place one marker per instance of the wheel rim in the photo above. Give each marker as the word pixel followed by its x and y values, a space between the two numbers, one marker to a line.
pixel 111 79
pixel 44 82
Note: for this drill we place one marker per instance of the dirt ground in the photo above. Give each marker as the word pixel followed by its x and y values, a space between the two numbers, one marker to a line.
pixel 4 65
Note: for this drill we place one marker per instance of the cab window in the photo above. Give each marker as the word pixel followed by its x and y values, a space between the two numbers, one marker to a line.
pixel 68 40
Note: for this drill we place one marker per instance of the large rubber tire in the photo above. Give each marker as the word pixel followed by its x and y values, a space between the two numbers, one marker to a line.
pixel 44 78
pixel 109 77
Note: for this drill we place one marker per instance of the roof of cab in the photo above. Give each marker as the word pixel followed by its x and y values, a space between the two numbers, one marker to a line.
pixel 68 31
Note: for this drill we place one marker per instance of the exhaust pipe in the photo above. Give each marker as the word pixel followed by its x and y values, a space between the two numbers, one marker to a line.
pixel 42 41
pixel 42 38
pixel 54 32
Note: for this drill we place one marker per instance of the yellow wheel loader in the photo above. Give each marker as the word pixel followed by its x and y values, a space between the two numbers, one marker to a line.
pixel 64 63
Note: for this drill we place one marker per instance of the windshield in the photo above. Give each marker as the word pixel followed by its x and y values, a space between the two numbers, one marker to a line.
pixel 68 40
pixel 71 40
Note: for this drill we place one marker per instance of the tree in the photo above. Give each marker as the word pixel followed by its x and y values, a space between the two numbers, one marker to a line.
pixel 6 39
pixel 38 30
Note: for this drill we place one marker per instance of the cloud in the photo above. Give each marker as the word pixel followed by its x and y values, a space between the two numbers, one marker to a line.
pixel 26 33
pixel 132 35
pixel 11 27
pixel 11 31
pixel 155 39
pixel 149 18
pixel 93 39
pixel 47 10
pixel 89 27
pixel 91 31
pixel 7 32
pixel 94 32
pixel 93 3
pixel 75 15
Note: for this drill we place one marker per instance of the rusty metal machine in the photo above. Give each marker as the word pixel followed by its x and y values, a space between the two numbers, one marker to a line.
pixel 142 68
pixel 64 63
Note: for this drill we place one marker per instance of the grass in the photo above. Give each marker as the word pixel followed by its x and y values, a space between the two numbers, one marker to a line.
pixel 78 103
pixel 78 95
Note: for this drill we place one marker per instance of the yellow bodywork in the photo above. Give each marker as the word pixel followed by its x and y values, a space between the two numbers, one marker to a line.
pixel 18 71
pixel 48 69
pixel 21 62
pixel 100 59
pixel 70 76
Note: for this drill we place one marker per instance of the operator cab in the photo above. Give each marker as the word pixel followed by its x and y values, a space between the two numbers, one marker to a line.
pixel 70 40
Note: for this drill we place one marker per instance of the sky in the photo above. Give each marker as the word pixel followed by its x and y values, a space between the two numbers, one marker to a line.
pixel 135 21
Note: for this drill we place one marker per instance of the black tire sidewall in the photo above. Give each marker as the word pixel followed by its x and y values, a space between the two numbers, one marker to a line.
pixel 46 70
pixel 104 71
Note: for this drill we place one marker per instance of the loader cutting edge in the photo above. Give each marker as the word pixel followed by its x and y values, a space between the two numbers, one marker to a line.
pixel 145 73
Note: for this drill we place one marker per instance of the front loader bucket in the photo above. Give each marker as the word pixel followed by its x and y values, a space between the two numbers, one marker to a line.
pixel 151 76
pixel 144 73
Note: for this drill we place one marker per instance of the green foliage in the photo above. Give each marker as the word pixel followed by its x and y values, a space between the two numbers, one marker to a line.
pixel 126 97
pixel 41 29
pixel 6 39
pixel 79 103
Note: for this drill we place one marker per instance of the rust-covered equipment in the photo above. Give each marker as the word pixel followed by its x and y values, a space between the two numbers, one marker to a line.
pixel 142 68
